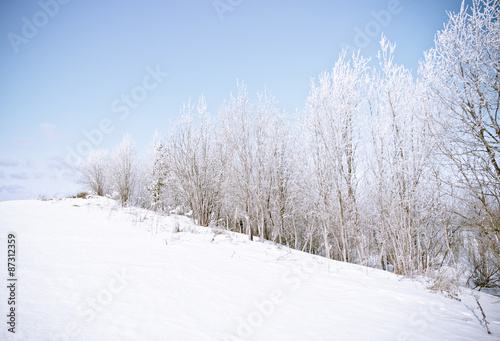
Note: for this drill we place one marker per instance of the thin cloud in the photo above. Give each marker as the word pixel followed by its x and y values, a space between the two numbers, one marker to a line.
pixel 30 164
pixel 20 176
pixel 57 162
pixel 39 175
pixel 50 131
pixel 9 163
pixel 60 169
pixel 23 143
pixel 11 189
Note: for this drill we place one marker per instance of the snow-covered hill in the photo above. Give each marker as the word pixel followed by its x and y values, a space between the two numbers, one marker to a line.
pixel 89 270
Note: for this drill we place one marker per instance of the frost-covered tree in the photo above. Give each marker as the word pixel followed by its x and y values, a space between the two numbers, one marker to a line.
pixel 332 122
pixel 463 72
pixel 401 149
pixel 195 163
pixel 157 172
pixel 237 131
pixel 94 172
pixel 255 136
pixel 283 194
pixel 123 170
pixel 272 169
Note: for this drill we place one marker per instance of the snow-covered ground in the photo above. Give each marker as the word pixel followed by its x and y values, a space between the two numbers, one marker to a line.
pixel 89 270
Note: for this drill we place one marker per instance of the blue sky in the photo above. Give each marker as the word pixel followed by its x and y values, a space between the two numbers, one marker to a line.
pixel 70 69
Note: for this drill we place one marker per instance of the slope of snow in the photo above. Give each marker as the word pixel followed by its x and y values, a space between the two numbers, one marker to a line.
pixel 89 270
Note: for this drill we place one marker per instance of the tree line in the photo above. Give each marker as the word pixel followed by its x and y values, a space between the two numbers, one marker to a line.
pixel 381 168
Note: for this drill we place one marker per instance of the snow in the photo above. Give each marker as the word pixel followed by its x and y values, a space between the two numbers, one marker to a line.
pixel 90 270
